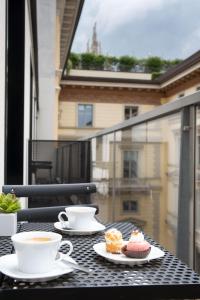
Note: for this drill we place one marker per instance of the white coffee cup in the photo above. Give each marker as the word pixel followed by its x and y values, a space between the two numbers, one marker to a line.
pixel 36 250
pixel 79 217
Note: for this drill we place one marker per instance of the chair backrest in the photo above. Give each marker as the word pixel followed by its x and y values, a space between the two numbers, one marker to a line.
pixel 47 214
pixel 49 189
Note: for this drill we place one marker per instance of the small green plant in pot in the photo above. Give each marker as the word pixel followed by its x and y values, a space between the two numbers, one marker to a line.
pixel 9 205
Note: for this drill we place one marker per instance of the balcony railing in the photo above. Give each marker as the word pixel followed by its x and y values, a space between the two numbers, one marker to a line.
pixel 146 170
pixel 58 162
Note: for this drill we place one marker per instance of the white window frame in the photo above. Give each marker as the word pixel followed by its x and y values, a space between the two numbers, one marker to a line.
pixel 130 106
pixel 77 115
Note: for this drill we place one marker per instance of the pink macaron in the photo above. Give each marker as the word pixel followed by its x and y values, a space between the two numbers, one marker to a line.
pixel 136 250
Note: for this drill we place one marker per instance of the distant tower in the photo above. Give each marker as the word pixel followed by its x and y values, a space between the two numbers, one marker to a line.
pixel 95 44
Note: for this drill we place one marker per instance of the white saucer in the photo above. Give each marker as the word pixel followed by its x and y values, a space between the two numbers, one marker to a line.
pixel 97 228
pixel 8 266
pixel 100 249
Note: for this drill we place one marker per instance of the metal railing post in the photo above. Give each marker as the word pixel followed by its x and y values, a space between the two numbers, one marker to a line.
pixel 114 178
pixel 185 225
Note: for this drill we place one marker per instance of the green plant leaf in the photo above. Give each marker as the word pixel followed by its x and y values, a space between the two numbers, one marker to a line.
pixel 9 203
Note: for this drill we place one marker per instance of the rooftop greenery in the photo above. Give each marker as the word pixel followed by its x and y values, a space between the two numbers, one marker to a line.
pixel 152 64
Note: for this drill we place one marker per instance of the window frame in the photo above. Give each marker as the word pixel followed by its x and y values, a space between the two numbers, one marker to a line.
pixel 92 115
pixel 130 211
pixel 137 164
pixel 130 114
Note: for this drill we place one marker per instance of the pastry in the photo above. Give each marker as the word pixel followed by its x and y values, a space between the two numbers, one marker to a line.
pixel 136 247
pixel 114 241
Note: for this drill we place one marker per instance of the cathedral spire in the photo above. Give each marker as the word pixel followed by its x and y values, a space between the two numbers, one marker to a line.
pixel 95 43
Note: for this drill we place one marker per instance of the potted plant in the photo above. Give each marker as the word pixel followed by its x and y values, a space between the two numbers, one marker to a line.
pixel 9 205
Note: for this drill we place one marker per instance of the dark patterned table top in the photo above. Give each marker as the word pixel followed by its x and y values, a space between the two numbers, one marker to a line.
pixel 163 278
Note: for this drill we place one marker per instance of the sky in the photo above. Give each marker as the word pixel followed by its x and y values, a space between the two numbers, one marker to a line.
pixel 141 28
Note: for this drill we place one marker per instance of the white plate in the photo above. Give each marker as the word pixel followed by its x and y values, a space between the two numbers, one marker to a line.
pixel 8 266
pixel 97 228
pixel 100 249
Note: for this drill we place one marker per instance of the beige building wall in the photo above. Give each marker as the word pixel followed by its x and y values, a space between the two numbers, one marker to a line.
pixel 107 115
pixel 48 99
pixel 110 74
pixel 145 108
pixel 184 92
pixel 104 115
pixel 67 115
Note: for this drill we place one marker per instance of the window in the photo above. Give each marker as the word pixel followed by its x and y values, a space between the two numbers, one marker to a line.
pixel 130 111
pixel 130 206
pixel 130 164
pixel 85 112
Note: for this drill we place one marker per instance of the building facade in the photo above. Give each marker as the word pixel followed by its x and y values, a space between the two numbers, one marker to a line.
pixel 93 100
pixel 136 169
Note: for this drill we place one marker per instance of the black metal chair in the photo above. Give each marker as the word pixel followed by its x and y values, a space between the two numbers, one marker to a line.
pixel 47 214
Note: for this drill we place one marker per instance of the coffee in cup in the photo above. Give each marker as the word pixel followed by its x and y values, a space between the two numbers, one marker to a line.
pixel 36 250
pixel 41 239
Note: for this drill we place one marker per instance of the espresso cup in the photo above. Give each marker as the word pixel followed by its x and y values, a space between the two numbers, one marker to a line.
pixel 36 250
pixel 79 217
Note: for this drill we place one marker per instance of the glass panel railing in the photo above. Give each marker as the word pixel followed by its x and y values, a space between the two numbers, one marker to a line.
pixel 163 156
pixel 130 183
pixel 137 174
pixel 102 174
